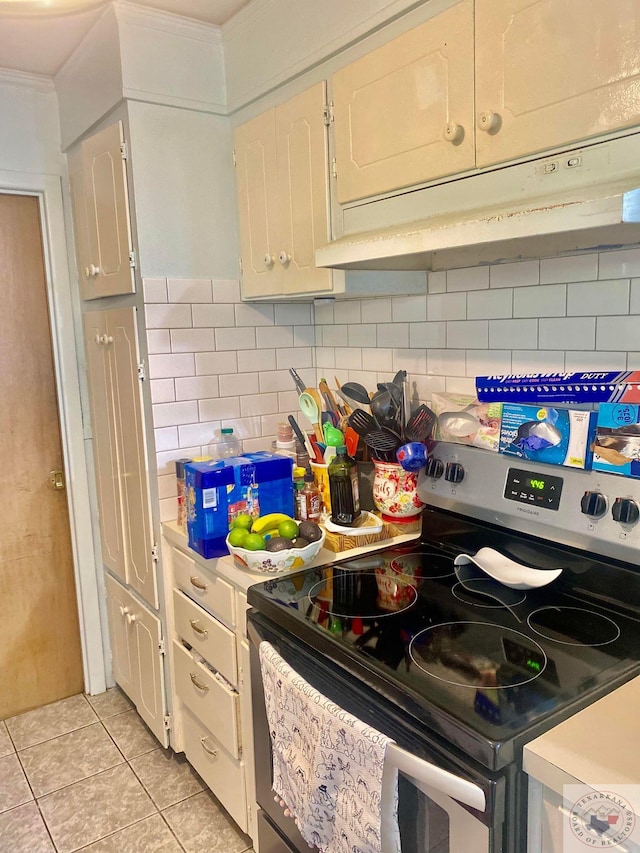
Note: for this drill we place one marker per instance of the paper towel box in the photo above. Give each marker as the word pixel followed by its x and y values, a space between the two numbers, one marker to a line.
pixel 216 492
pixel 547 434
pixel 617 443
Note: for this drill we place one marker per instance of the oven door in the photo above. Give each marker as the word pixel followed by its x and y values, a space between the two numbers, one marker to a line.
pixel 445 805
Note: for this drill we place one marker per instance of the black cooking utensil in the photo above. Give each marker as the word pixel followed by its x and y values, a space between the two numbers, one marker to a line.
pixel 362 422
pixel 420 424
pixel 356 392
pixel 300 385
pixel 383 443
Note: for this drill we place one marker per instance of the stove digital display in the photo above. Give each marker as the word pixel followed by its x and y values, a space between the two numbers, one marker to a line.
pixel 533 489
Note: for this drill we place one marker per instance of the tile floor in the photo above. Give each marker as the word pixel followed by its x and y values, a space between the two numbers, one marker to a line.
pixel 86 774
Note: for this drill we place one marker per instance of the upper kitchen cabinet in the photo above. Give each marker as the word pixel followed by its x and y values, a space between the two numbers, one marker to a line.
pixel 98 178
pixel 550 74
pixel 404 114
pixel 282 177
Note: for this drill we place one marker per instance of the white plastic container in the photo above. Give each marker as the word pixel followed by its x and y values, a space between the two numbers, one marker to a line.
pixel 225 444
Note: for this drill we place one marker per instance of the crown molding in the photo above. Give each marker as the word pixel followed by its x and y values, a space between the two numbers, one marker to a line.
pixel 156 19
pixel 37 82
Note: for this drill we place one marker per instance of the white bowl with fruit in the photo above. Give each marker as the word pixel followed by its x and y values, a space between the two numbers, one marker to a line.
pixel 274 542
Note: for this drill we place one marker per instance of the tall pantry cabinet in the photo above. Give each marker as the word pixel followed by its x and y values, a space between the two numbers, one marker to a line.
pixel 115 377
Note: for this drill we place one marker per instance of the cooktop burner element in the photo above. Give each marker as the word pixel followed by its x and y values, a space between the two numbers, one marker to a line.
pixel 478 655
pixel 363 594
pixel 573 626
pixel 480 591
pixel 423 563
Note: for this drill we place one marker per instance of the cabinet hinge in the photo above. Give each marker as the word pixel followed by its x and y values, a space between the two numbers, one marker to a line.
pixel 334 168
pixel 142 375
pixel 162 648
pixel 240 264
pixel 132 259
pixel 327 113
pixel 167 721
pixel 123 150
pixel 154 553
pixel 233 157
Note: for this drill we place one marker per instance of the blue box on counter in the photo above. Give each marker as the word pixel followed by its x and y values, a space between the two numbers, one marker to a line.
pixel 617 445
pixel 216 492
pixel 546 434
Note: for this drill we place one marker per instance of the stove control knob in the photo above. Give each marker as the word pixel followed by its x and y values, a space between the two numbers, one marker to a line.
pixel 454 472
pixel 593 504
pixel 434 468
pixel 625 511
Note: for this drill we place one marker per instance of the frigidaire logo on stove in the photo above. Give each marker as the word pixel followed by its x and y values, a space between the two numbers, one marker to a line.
pixel 527 510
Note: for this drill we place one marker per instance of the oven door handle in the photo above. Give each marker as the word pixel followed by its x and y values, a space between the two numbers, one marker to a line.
pixel 423 773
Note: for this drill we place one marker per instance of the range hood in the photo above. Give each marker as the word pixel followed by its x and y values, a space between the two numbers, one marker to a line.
pixel 587 198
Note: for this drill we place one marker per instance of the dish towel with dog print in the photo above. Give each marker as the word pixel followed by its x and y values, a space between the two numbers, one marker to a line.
pixel 327 764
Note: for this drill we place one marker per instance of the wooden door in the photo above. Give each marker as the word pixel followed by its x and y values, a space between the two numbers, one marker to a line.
pixel 258 204
pixel 404 113
pixel 301 144
pixel 553 72
pixel 40 652
pixel 107 210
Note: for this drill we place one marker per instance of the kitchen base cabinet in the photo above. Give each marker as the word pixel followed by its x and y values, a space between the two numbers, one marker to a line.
pixel 137 655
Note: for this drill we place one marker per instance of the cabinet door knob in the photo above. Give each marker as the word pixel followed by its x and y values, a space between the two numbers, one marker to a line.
pixel 124 611
pixel 202 632
pixel 91 270
pixel 207 749
pixel 131 617
pixel 453 132
pixel 197 583
pixel 489 122
pixel 269 260
pixel 106 339
pixel 284 258
pixel 194 680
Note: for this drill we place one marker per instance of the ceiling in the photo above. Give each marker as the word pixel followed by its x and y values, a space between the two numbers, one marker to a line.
pixel 38 36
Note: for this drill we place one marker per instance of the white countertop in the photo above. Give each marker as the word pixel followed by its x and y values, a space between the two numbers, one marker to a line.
pixel 597 747
pixel 241 578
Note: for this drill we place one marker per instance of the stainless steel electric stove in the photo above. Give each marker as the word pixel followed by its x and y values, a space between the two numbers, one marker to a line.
pixel 457 667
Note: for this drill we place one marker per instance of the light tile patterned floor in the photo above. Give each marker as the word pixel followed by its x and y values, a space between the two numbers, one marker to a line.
pixel 86 774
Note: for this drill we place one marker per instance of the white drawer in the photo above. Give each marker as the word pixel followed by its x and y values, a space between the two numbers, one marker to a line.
pixel 215 704
pixel 212 593
pixel 201 630
pixel 223 774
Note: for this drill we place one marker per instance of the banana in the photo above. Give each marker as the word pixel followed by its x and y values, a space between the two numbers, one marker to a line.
pixel 269 522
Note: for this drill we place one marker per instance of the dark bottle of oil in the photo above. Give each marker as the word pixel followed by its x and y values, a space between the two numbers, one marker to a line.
pixel 343 488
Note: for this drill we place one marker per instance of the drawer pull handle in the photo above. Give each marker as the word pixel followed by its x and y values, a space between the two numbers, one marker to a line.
pixel 207 749
pixel 195 581
pixel 196 683
pixel 201 631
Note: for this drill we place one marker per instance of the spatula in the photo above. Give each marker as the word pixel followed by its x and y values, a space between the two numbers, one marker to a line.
pixel 362 422
pixel 420 424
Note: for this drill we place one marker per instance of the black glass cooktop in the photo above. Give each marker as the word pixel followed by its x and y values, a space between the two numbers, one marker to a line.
pixel 482 664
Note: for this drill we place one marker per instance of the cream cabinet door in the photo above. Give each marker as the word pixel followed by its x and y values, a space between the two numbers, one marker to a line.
pixel 105 443
pixel 81 223
pixel 151 704
pixel 132 453
pixel 404 113
pixel 123 653
pixel 301 145
pixel 108 271
pixel 259 206
pixel 553 72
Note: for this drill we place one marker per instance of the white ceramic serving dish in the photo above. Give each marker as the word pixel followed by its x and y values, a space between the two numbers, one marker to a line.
pixel 507 571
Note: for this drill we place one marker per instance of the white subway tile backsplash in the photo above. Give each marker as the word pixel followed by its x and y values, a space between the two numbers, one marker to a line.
pixel 172 414
pixel 166 438
pixel 362 335
pixel 569 333
pixel 243 383
pixel 347 312
pixel 287 401
pixel 469 278
pixel 335 336
pixel 274 337
pixel 196 387
pixel 165 461
pixel 244 428
pixel 154 289
pixel 251 360
pixel 437 282
pixel 208 363
pixel 460 385
pixel 304 336
pixel 158 341
pixel 325 357
pixel 220 409
pixel 201 433
pixel 168 316
pixel 189 290
pixel 487 362
pixel 634 305
pixel 294 357
pixel 269 423
pixel 468 334
pixel 537 361
pixel 595 298
pixel 167 487
pixel 294 314
pixel 226 290
pixel 162 390
pixel 213 316
pixel 377 358
pixel 323 313
pixel 409 309
pixel 411 360
pixel 422 387
pixel 254 315
pixel 275 380
pixel 447 306
pixel 428 335
pixel 170 366
pixel 621 264
pixel 490 304
pixel 366 377
pixel 393 335
pixel 594 360
pixel 376 310
pixel 258 404
pixel 192 340
pixel 520 274
pixel 544 300
pixel 512 334
pixel 576 268
pixel 617 333
pixel 446 362
pixel 235 339
pixel 349 358
pixel 633 361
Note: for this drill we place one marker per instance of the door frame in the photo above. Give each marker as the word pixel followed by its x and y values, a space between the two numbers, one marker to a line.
pixel 76 443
